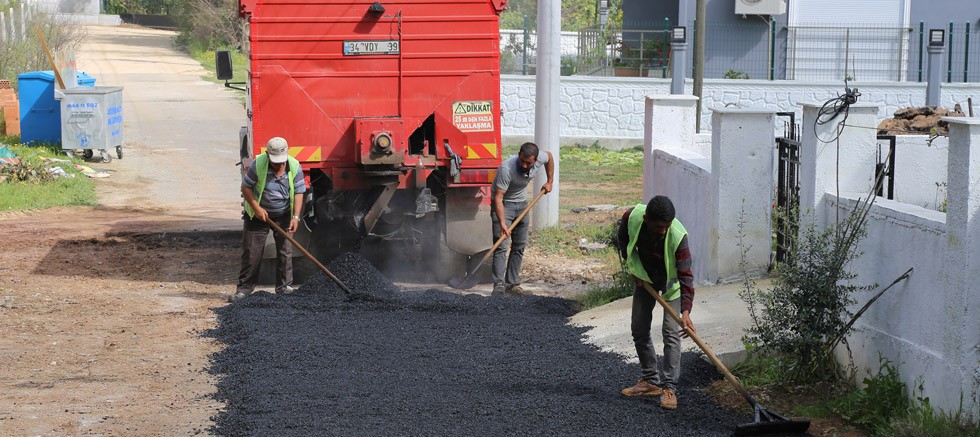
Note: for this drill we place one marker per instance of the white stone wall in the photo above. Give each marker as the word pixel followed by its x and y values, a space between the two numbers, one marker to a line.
pixel 610 109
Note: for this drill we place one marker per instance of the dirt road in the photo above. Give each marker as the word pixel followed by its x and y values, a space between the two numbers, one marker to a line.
pixel 101 309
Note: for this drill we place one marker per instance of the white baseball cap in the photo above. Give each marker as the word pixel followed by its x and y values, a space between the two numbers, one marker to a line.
pixel 277 149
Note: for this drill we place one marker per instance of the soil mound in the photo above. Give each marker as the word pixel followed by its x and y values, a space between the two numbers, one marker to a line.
pixel 918 120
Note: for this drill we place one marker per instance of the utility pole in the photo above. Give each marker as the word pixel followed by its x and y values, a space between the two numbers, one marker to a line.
pixel 699 14
pixel 546 106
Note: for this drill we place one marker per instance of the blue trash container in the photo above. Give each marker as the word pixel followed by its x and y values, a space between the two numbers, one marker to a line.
pixel 40 113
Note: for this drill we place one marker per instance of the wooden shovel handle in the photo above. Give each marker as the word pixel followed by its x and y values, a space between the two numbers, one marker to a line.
pixel 509 230
pixel 308 255
pixel 707 351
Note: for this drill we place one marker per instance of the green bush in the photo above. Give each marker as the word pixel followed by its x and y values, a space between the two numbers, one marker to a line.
pixel 805 313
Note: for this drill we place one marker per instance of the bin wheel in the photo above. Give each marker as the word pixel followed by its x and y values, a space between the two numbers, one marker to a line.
pixel 106 157
pixel 87 153
pixel 119 152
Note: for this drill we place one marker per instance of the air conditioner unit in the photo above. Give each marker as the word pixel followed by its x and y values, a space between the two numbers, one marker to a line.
pixel 760 7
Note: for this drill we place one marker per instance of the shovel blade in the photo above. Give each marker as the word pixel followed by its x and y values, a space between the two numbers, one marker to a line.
pixel 769 422
pixel 464 282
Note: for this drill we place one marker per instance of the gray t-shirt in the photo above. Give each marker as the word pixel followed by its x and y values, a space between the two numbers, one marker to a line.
pixel 512 179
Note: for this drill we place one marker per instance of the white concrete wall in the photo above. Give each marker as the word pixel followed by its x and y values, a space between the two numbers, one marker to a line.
pixel 610 109
pixel 742 172
pixel 906 325
pixel 669 123
pixel 961 300
pixel 85 7
pixel 927 325
pixel 920 170
pixel 685 177
pixel 829 165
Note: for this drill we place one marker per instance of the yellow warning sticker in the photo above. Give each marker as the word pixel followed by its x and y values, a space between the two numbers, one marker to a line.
pixel 473 116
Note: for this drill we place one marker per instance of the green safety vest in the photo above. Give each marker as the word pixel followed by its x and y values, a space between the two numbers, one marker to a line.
pixel 675 234
pixel 262 170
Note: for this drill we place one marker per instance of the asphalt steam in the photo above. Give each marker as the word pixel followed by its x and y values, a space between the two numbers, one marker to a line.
pixel 317 362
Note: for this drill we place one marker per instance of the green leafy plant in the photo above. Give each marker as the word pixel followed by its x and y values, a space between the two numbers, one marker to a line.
pixel 735 74
pixel 922 420
pixel 882 399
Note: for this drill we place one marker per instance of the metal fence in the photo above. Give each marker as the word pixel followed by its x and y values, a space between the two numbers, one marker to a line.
pixel 864 53
pixel 742 51
pixel 623 52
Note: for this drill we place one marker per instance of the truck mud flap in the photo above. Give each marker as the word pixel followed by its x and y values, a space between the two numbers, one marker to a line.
pixel 468 220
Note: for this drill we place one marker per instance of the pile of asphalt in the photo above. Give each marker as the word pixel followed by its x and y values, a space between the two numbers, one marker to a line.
pixel 388 362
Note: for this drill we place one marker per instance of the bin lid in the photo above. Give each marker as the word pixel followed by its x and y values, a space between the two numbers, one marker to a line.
pixel 48 76
pixel 93 90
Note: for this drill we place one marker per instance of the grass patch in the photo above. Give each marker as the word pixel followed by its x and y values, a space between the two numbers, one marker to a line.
pixel 882 408
pixel 29 187
pixel 597 296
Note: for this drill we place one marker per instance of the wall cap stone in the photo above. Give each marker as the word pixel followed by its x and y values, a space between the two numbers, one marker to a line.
pixel 737 110
pixel 962 120
pixel 668 97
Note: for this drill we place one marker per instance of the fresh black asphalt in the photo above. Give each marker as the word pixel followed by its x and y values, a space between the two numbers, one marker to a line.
pixel 432 363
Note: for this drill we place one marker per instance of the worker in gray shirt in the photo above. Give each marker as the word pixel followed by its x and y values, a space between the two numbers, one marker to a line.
pixel 509 200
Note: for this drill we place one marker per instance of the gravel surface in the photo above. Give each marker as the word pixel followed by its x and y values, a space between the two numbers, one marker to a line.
pixel 388 362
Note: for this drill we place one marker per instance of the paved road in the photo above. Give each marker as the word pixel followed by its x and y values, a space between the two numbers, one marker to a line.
pixel 181 131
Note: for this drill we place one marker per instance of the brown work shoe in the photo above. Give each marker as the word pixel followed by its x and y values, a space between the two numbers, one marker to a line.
pixel 668 400
pixel 517 290
pixel 642 388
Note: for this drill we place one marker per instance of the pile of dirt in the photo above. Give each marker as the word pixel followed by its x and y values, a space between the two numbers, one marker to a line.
pixel 918 120
pixel 428 362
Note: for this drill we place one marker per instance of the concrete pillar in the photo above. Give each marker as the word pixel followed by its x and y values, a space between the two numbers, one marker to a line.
pixel 668 121
pixel 961 301
pixel 678 59
pixel 742 149
pixel 825 167
pixel 934 74
pixel 547 106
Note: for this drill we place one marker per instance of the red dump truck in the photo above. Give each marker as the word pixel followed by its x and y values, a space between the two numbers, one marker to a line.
pixel 393 109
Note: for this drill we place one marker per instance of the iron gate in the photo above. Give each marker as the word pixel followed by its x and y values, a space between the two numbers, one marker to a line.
pixel 786 211
pixel 885 169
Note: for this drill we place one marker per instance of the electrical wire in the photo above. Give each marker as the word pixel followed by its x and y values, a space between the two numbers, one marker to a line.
pixel 834 108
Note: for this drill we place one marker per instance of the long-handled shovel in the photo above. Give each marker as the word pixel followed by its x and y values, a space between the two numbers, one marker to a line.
pixel 308 255
pixel 469 279
pixel 766 420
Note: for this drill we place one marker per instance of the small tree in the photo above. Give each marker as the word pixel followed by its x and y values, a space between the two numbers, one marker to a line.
pixel 807 306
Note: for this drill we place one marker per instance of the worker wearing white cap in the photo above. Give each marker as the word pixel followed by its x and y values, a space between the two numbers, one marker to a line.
pixel 273 188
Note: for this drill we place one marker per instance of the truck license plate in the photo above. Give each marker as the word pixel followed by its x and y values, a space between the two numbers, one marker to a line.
pixel 375 47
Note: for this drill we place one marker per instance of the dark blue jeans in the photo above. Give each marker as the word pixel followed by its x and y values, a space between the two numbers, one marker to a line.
pixel 507 270
pixel 643 305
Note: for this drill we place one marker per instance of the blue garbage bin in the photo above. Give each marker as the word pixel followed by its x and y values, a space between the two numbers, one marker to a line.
pixel 40 113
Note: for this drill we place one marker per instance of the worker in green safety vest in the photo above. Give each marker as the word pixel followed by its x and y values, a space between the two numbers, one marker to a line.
pixel 273 188
pixel 654 244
